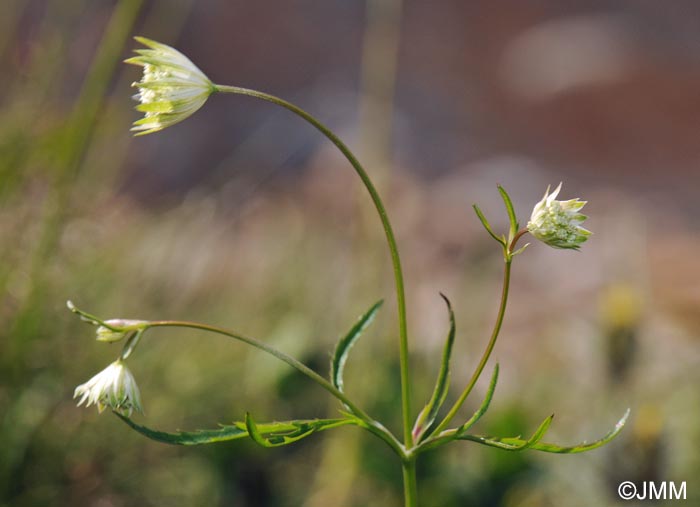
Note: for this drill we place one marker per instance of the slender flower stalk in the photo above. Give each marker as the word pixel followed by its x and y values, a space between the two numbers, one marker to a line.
pixel 509 252
pixel 487 352
pixel 113 387
pixel 388 231
pixel 172 88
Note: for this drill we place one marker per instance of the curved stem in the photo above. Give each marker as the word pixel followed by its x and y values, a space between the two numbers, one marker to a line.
pixel 371 424
pixel 388 231
pixel 520 234
pixel 489 348
pixel 294 363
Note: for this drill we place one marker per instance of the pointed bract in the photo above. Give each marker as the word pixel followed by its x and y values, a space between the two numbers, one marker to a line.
pixel 171 89
pixel 122 327
pixel 558 223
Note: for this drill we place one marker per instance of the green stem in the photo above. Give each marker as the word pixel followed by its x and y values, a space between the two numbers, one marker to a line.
pixel 370 424
pixel 489 348
pixel 410 487
pixel 294 363
pixel 388 231
pixel 520 234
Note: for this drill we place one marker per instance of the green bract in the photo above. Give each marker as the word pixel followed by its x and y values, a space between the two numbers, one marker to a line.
pixel 171 89
pixel 558 223
pixel 114 330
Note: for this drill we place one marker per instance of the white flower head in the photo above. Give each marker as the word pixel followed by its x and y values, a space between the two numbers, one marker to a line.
pixel 171 89
pixel 113 387
pixel 558 223
pixel 122 328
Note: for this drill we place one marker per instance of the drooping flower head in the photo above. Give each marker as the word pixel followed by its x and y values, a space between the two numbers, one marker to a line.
pixel 558 223
pixel 171 89
pixel 113 387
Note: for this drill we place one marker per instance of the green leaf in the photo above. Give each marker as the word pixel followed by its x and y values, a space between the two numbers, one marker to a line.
pixel 276 439
pixel 511 213
pixel 512 444
pixel 516 444
pixel 275 433
pixel 342 349
pixel 430 411
pixel 484 404
pixel 487 226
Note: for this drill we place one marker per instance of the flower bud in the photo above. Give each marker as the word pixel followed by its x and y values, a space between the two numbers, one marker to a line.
pixel 171 89
pixel 122 328
pixel 113 387
pixel 558 223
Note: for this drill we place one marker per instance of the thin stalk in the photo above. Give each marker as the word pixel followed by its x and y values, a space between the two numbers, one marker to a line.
pixel 410 485
pixel 388 231
pixel 294 363
pixel 370 424
pixel 520 234
pixel 489 348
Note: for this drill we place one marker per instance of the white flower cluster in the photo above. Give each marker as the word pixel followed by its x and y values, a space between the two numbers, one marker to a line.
pixel 113 387
pixel 171 89
pixel 558 223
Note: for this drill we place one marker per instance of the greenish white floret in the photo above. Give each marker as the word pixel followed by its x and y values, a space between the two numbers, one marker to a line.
pixel 171 89
pixel 113 387
pixel 558 223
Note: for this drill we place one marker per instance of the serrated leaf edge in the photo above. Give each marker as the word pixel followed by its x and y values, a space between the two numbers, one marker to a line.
pixel 234 431
pixel 516 444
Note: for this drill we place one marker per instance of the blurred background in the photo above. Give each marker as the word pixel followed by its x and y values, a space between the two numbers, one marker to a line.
pixel 245 217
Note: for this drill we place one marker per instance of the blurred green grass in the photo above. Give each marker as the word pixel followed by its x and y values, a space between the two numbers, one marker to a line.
pixel 294 265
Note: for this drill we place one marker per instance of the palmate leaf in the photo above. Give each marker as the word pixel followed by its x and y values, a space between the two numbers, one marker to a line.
pixel 273 434
pixel 430 411
pixel 342 349
pixel 517 444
